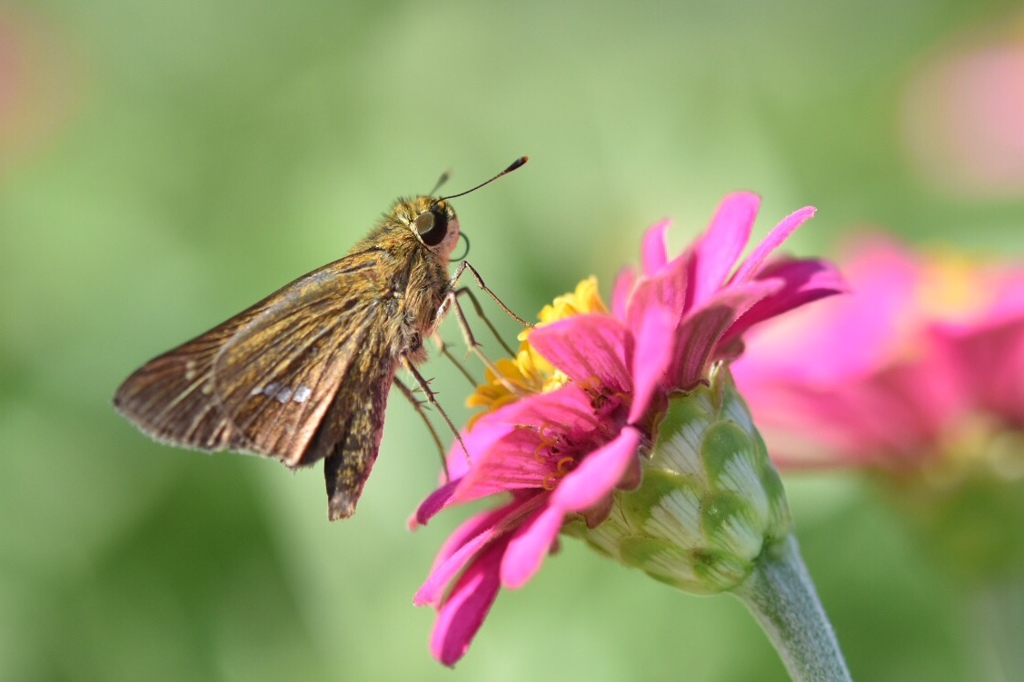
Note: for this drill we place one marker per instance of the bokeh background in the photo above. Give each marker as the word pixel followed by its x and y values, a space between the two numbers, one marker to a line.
pixel 164 165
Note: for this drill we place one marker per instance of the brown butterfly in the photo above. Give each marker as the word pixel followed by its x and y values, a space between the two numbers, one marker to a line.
pixel 304 374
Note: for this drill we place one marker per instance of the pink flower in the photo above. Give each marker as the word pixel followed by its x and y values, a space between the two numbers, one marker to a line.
pixel 574 433
pixel 962 111
pixel 922 360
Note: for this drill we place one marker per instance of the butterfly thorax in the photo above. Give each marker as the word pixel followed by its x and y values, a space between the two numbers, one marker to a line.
pixel 411 246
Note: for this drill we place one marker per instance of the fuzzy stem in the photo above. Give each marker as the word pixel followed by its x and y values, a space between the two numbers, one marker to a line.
pixel 781 596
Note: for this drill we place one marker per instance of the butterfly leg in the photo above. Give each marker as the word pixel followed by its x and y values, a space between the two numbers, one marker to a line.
pixel 466 291
pixel 432 399
pixel 463 266
pixel 474 345
pixel 451 300
pixel 418 405
pixel 442 348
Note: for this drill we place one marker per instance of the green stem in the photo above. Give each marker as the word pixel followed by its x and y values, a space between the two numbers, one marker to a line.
pixel 781 596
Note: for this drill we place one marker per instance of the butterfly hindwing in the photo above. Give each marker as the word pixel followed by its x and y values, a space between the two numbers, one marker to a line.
pixel 350 434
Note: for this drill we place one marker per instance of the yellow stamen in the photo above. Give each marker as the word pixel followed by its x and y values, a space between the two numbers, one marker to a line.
pixel 529 372
pixel 563 465
pixel 545 442
pixel 951 285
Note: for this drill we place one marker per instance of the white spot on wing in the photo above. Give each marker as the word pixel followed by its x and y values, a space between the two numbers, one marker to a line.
pixel 282 393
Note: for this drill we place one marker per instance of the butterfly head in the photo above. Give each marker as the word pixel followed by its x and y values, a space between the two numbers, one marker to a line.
pixel 432 219
pixel 434 224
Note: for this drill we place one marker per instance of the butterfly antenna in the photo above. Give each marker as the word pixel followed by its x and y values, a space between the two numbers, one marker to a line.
pixel 514 165
pixel 440 181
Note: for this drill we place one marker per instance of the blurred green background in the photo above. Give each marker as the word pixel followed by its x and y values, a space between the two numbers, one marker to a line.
pixel 164 165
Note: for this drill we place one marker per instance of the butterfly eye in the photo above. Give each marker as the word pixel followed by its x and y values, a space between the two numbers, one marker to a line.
pixel 432 226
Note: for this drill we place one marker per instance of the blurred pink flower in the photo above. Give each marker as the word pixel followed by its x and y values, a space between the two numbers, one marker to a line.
pixel 560 451
pixel 962 115
pixel 922 360
pixel 41 84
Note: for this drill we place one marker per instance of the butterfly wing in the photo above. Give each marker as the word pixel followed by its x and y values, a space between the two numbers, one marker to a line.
pixel 170 398
pixel 264 380
pixel 351 432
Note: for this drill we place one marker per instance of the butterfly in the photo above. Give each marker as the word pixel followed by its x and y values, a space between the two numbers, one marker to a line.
pixel 304 374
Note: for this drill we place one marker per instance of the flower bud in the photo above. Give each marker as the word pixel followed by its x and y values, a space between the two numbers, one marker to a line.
pixel 710 501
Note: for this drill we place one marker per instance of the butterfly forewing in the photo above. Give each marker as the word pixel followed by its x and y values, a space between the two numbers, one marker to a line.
pixel 263 381
pixel 276 379
pixel 170 397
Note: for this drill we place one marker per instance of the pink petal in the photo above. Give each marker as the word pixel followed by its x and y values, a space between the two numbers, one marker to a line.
pixel 624 284
pixel 598 474
pixel 562 407
pixel 588 348
pixel 651 357
pixel 497 442
pixel 653 251
pixel 595 514
pixel 1008 298
pixel 528 547
pixel 667 289
pixel 779 234
pixel 460 616
pixel 467 530
pixel 990 361
pixel 813 428
pixel 488 430
pixel 434 503
pixel 846 336
pixel 889 417
pixel 470 539
pixel 803 281
pixel 718 250
pixel 458 460
pixel 893 415
pixel 517 462
pixel 699 335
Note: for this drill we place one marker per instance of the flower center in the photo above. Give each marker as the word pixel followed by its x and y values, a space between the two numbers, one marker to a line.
pixel 593 430
pixel 950 287
pixel 529 372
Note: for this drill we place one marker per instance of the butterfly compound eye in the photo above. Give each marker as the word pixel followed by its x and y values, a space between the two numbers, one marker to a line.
pixel 432 226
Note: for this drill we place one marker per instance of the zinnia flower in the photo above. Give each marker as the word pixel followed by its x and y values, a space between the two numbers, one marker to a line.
pixel 918 374
pixel 576 416
pixel 917 379
pixel 917 369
